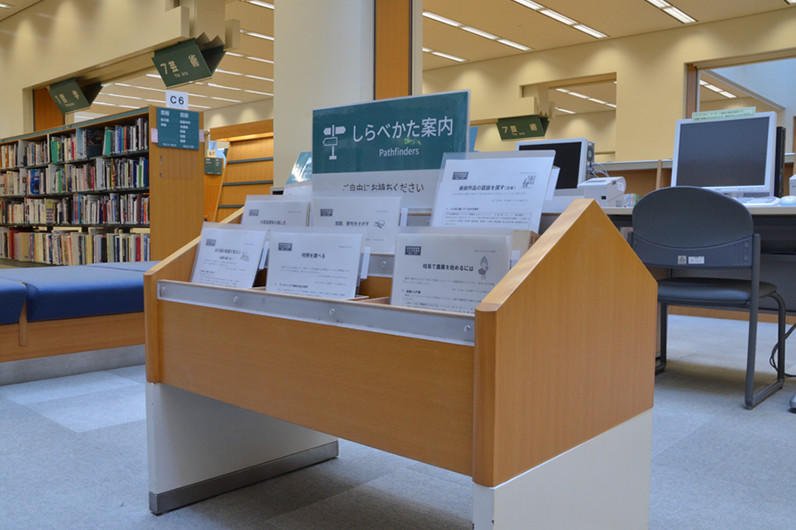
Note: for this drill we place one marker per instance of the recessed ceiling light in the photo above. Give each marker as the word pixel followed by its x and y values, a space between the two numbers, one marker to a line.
pixel 154 100
pixel 480 33
pixel 103 104
pixel 198 106
pixel 679 15
pixel 214 85
pixel 140 87
pixel 427 50
pixel 529 4
pixel 440 18
pixel 261 78
pixel 258 92
pixel 220 71
pixel 578 95
pixel 564 90
pixel 514 44
pixel 259 59
pixel 791 2
pixel 565 111
pixel 590 31
pixel 226 99
pixel 448 56
pixel 261 4
pixel 156 76
pixel 557 16
pixel 727 94
pixel 256 35
pixel 121 96
pixel 660 4
pixel 595 100
pixel 611 105
pixel 233 54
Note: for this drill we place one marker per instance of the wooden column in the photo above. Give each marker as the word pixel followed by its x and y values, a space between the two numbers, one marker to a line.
pixel 691 90
pixel 392 43
pixel 46 113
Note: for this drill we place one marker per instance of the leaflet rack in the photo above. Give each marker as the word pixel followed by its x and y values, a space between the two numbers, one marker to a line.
pixel 544 397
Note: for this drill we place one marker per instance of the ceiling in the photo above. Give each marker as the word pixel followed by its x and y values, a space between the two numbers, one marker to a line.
pixel 14 7
pixel 248 79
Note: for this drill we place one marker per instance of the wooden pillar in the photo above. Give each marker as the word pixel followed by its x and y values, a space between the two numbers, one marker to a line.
pixel 46 113
pixel 691 90
pixel 392 48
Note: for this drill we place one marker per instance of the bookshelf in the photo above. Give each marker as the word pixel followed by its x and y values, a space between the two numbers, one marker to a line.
pixel 85 193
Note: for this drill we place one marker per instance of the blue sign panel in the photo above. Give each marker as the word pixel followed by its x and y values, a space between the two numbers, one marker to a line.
pixel 178 128
pixel 399 134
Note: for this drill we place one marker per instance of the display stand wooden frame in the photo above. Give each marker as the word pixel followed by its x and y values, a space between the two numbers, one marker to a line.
pixel 543 397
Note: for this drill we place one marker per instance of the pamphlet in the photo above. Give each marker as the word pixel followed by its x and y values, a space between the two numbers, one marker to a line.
pixel 375 217
pixel 322 264
pixel 270 211
pixel 503 192
pixel 448 272
pixel 228 255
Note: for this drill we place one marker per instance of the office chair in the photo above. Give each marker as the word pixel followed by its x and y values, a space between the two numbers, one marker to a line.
pixel 695 228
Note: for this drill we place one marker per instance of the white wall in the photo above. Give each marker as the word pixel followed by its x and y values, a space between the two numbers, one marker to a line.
pixel 53 39
pixel 241 113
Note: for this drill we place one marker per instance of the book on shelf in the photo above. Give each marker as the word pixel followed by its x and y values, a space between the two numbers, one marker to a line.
pixel 8 156
pixel 120 139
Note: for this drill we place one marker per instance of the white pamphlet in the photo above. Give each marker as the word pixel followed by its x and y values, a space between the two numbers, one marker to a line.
pixel 448 272
pixel 320 264
pixel 375 217
pixel 270 211
pixel 505 192
pixel 228 255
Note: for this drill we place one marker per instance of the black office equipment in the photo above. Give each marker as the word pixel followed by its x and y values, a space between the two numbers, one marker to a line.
pixel 694 228
pixel 779 163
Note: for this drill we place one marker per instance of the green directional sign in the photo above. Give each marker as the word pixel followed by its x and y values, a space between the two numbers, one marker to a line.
pixel 214 166
pixel 185 62
pixel 69 96
pixel 531 126
pixel 178 128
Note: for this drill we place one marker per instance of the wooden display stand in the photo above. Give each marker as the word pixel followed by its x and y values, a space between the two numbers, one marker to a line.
pixel 543 397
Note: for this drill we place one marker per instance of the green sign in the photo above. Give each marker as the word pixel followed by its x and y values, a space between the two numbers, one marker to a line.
pixel 518 127
pixel 214 166
pixel 178 128
pixel 723 114
pixel 185 62
pixel 69 96
pixel 410 133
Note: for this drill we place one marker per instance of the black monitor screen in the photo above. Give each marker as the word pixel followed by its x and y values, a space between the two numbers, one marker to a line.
pixel 567 159
pixel 723 153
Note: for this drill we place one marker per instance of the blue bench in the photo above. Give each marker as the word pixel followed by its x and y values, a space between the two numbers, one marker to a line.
pixel 48 311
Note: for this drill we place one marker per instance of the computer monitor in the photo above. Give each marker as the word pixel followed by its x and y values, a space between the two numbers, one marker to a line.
pixel 573 157
pixel 733 156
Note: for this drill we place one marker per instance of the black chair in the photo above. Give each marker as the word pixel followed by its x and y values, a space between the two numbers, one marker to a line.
pixel 694 228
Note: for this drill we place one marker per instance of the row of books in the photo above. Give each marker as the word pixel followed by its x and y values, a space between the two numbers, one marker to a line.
pixel 104 174
pixel 83 143
pixel 12 183
pixel 117 173
pixel 8 156
pixel 61 247
pixel 113 208
pixel 123 138
pixel 35 153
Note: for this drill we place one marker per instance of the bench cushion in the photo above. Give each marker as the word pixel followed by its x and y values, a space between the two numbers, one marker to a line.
pixel 141 266
pixel 78 291
pixel 12 298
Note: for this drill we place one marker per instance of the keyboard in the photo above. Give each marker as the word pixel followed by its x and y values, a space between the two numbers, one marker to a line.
pixel 759 201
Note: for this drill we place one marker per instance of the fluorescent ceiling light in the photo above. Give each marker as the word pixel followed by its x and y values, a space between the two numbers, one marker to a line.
pixel 590 31
pixel 564 90
pixel 679 15
pixel 565 111
pixel 448 56
pixel 533 5
pixel 557 16
pixel 514 44
pixel 155 101
pixel 703 83
pixel 156 76
pixel 128 106
pixel 261 4
pixel 198 106
pixel 233 54
pixel 595 100
pixel 121 96
pixel 220 71
pixel 660 4
pixel 103 103
pixel 258 92
pixel 140 87
pixel 727 94
pixel 214 85
pixel 790 2
pixel 261 78
pixel 5 6
pixel 611 105
pixel 427 50
pixel 440 18
pixel 578 95
pixel 195 95
pixel 259 59
pixel 256 35
pixel 227 99
pixel 480 33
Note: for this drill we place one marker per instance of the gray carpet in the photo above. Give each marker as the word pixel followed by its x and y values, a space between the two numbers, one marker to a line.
pixel 73 455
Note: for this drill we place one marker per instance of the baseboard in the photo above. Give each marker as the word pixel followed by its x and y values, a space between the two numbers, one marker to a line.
pixel 166 501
